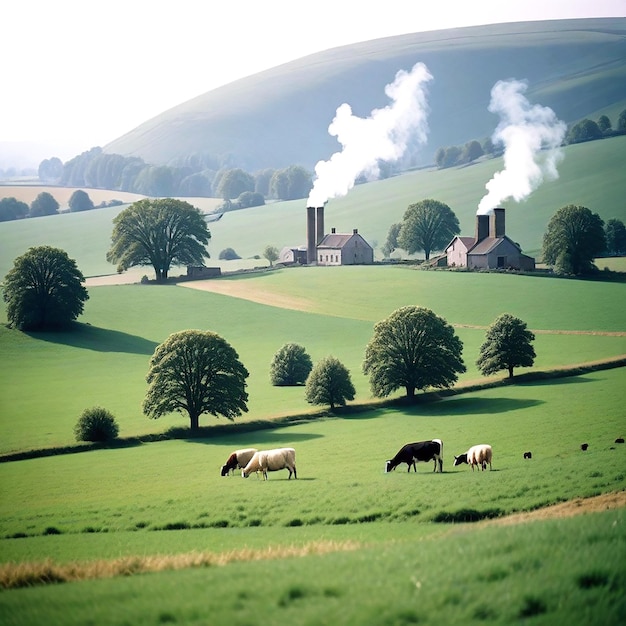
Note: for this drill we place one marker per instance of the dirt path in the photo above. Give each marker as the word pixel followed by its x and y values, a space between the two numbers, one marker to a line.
pixel 578 506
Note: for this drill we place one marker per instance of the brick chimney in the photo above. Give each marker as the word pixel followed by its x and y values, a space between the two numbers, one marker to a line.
pixel 311 253
pixel 482 227
pixel 496 223
pixel 320 224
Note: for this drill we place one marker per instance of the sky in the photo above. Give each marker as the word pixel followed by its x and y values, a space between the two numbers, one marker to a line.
pixel 78 74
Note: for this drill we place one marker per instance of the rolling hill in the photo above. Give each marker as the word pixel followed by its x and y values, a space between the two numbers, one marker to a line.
pixel 281 116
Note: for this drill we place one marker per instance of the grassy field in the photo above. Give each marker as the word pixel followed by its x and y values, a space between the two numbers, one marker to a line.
pixel 151 534
pixel 107 359
pixel 345 543
pixel 372 208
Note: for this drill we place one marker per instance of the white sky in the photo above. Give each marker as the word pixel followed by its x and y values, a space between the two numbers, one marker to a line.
pixel 80 73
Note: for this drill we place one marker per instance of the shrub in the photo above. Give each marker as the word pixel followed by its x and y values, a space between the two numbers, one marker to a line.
pixel 228 254
pixel 96 424
pixel 290 366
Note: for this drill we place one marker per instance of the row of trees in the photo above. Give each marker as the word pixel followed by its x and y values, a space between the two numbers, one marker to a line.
pixel 196 372
pixel 584 130
pixel 575 236
pixel 46 204
pixel 589 130
pixel 195 176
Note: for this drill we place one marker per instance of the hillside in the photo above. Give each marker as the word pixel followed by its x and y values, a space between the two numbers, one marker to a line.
pixel 281 116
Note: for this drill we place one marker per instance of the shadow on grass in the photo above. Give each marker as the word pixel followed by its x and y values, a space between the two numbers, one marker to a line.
pixel 270 437
pixel 472 406
pixel 89 337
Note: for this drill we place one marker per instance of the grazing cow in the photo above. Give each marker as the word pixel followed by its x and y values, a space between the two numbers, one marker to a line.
pixel 528 455
pixel 584 446
pixel 476 455
pixel 271 461
pixel 410 453
pixel 237 460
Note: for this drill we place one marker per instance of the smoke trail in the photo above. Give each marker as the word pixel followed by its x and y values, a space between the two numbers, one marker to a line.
pixel 382 136
pixel 523 130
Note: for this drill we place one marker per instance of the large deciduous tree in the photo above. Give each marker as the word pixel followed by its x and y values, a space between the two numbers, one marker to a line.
pixel 412 349
pixel 44 290
pixel 291 365
pixel 329 383
pixel 196 372
pixel 427 225
pixel 574 237
pixel 160 233
pixel 233 183
pixel 508 344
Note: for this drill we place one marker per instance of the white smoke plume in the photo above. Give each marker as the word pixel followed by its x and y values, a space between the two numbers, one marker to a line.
pixel 524 130
pixel 384 135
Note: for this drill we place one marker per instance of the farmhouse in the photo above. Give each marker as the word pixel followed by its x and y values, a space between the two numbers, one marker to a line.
pixel 490 248
pixel 328 249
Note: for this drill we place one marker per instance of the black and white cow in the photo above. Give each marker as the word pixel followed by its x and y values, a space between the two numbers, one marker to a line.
pixel 418 451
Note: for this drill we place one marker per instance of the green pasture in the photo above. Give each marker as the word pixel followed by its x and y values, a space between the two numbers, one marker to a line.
pixel 340 467
pixel 167 498
pixel 567 571
pixel 47 380
pixel 590 174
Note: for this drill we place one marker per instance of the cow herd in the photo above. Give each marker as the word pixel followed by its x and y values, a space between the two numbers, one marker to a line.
pixel 250 460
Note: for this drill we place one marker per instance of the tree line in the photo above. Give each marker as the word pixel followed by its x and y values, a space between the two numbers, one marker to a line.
pixel 196 175
pixel 584 130
pixel 575 236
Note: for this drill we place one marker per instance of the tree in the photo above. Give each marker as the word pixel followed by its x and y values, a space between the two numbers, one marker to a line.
pixel 50 170
pixel 196 372
pixel 392 239
pixel 427 225
pixel 507 345
pixel 574 237
pixel 291 183
pixel 233 183
pixel 585 130
pixel 604 124
pixel 43 204
pixel 160 233
pixel 44 290
pixel 228 254
pixel 291 365
pixel 472 150
pixel 96 424
pixel 271 253
pixel 412 349
pixel 621 121
pixel 329 383
pixel 615 233
pixel 249 199
pixel 12 209
pixel 80 201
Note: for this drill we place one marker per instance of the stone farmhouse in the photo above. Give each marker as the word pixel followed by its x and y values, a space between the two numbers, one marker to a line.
pixel 328 249
pixel 490 248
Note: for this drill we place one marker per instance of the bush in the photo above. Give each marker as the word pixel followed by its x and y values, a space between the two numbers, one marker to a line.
pixel 290 366
pixel 96 424
pixel 228 254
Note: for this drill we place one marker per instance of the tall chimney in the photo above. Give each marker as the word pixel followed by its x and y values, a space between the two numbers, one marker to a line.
pixel 482 227
pixel 320 224
pixel 311 255
pixel 496 223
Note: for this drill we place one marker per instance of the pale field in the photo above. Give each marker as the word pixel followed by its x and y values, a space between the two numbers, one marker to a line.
pixel 27 193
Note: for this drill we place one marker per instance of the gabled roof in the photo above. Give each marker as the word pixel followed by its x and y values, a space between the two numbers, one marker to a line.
pixel 468 242
pixel 488 244
pixel 338 240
